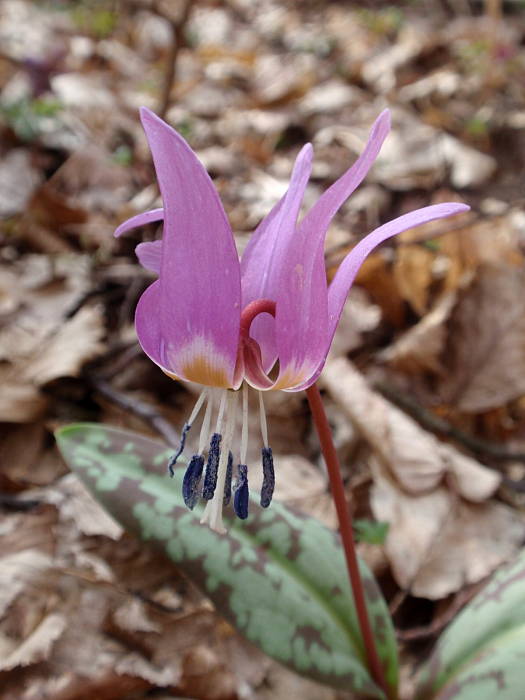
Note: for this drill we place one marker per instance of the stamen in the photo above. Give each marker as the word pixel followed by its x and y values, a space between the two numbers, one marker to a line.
pixel 244 429
pixel 241 495
pixel 173 459
pixel 198 406
pixel 268 484
pixel 213 511
pixel 212 466
pixel 186 429
pixel 222 406
pixel 228 481
pixel 191 481
pixel 262 417
pixel 204 436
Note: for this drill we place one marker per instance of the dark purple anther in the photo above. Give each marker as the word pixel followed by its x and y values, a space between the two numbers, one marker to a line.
pixel 268 484
pixel 212 467
pixel 173 460
pixel 240 497
pixel 191 481
pixel 228 481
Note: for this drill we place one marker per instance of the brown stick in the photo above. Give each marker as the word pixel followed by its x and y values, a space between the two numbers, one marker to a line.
pixel 177 37
pixel 443 428
pixel 346 531
pixel 139 408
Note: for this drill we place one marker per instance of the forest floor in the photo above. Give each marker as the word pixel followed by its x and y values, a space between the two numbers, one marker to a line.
pixel 425 384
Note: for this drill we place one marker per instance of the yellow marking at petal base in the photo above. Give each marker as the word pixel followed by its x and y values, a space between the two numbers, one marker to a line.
pixel 292 377
pixel 201 371
pixel 171 375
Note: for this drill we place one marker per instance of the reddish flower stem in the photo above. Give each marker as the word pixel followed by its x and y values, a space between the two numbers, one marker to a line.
pixel 347 537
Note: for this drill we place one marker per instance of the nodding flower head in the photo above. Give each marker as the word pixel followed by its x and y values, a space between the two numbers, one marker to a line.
pixel 266 320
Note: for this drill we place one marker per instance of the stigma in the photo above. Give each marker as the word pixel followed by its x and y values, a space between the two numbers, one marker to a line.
pixel 209 476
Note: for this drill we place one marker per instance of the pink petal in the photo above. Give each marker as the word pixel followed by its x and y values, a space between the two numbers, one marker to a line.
pixel 149 255
pixel 323 211
pixel 289 284
pixel 148 328
pixel 197 313
pixel 303 297
pixel 265 257
pixel 344 278
pixel 255 261
pixel 147 217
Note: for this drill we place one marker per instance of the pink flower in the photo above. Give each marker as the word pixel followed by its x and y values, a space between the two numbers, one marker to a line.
pixel 266 320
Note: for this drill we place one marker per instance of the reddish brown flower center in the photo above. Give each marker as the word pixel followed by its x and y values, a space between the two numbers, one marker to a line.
pixel 253 309
pixel 249 361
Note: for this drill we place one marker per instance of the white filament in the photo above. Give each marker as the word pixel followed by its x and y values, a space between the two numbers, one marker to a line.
pixel 204 437
pixel 222 406
pixel 213 511
pixel 197 407
pixel 244 429
pixel 262 417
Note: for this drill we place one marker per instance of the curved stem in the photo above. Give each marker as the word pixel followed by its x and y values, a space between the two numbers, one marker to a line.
pixel 345 528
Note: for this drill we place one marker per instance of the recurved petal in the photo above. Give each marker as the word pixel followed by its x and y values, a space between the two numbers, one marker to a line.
pixel 264 262
pixel 295 283
pixel 302 325
pixel 147 217
pixel 148 327
pixel 345 275
pixel 344 278
pixel 318 218
pixel 255 264
pixel 199 298
pixel 149 255
pixel 347 271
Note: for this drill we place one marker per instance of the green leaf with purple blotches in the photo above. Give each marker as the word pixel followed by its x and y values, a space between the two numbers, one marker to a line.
pixel 481 655
pixel 279 577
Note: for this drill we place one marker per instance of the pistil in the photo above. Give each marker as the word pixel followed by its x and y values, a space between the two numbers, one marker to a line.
pixel 213 512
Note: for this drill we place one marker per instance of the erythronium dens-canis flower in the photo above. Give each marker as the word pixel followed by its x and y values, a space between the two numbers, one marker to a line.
pixel 264 321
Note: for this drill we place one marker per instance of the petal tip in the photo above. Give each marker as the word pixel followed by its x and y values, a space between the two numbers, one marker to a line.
pixel 453 208
pixel 306 153
pixel 151 121
pixel 146 113
pixel 383 124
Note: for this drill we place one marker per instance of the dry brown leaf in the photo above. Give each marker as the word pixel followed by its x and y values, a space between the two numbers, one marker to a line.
pixel 300 484
pixel 359 316
pixel 421 347
pixel 380 70
pixel 38 645
pixel 468 167
pixel 375 275
pixel 17 570
pixel 414 523
pixel 474 541
pixel 419 485
pixel 18 180
pixel 47 290
pixel 63 355
pixel 76 504
pixel 19 403
pixel 414 457
pixel 413 274
pixel 486 347
pixel 438 543
pixel 417 155
pixel 274 81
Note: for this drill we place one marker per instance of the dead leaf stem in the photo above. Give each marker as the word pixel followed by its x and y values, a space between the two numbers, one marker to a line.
pixel 443 428
pixel 139 408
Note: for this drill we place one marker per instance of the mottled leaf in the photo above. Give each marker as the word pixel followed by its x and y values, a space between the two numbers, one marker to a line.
pixel 480 656
pixel 279 577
